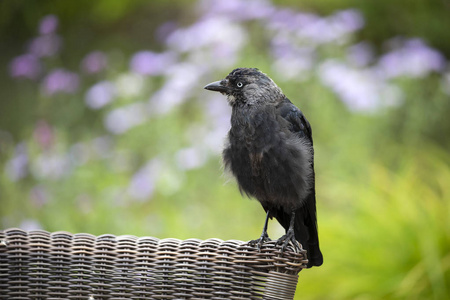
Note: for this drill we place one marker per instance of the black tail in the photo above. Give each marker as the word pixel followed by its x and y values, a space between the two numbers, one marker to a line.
pixel 305 228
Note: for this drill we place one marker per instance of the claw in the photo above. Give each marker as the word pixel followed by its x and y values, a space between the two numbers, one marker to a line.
pixel 259 242
pixel 289 237
pixel 264 236
pixel 285 239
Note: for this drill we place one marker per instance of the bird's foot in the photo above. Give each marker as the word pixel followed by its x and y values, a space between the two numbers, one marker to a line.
pixel 259 242
pixel 285 239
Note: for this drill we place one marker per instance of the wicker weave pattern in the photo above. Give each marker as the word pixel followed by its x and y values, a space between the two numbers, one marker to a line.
pixel 61 265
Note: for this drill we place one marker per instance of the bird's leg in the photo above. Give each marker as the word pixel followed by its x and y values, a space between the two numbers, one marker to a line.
pixel 289 236
pixel 264 236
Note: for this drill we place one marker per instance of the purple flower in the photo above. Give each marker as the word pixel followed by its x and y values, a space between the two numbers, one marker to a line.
pixel 292 62
pixel 60 81
pixel 348 21
pixel 333 28
pixel 165 30
pixel 216 108
pixel 181 79
pixel 287 20
pixel 211 32
pixel 124 118
pixel 282 46
pixel 45 45
pixel 316 30
pixel 25 66
pixel 143 182
pixel 237 9
pixel 100 94
pixel 48 25
pixel 295 68
pixel 17 167
pixel 94 62
pixel 151 63
pixel 43 134
pixel 190 158
pixel 30 224
pixel 413 58
pixel 360 54
pixel 360 90
pixel 218 114
pixel 319 32
pixel 164 100
pixel 51 165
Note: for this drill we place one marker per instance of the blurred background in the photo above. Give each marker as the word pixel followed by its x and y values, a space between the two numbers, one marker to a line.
pixel 105 126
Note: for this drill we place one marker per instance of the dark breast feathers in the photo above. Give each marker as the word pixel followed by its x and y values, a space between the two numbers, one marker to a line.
pixel 270 153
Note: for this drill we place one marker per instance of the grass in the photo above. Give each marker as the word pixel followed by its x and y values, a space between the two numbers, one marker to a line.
pixel 389 237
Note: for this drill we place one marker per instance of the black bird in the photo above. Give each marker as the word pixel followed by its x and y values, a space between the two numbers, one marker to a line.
pixel 269 149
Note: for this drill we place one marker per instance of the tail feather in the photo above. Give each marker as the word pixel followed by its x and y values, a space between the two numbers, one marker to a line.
pixel 305 228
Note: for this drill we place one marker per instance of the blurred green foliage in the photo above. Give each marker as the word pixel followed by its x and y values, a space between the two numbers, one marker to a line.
pixel 382 172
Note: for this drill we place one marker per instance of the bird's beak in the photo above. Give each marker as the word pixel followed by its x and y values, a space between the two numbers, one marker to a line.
pixel 217 86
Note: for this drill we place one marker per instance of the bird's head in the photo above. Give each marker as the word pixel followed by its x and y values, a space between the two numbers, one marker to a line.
pixel 247 86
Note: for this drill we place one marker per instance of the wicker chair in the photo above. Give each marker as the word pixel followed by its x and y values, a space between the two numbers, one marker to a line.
pixel 60 265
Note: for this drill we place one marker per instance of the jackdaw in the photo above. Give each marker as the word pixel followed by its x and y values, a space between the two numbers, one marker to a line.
pixel 269 150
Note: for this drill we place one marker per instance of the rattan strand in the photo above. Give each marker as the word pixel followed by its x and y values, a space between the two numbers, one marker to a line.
pixel 60 265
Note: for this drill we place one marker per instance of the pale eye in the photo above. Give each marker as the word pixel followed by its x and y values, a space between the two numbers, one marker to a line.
pixel 239 84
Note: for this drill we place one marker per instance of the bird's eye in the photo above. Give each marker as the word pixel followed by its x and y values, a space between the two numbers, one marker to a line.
pixel 239 84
